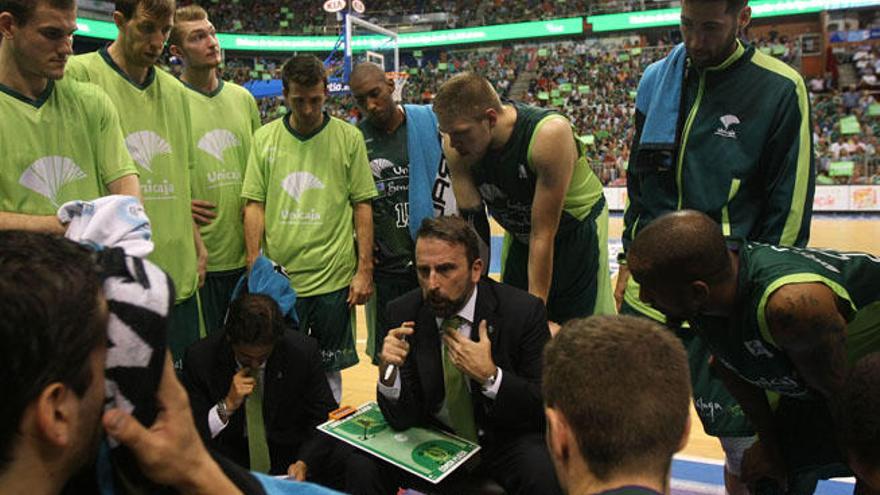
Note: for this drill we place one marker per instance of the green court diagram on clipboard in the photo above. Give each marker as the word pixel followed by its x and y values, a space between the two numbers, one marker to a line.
pixel 427 453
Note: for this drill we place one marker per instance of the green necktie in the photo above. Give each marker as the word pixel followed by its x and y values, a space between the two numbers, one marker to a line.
pixel 458 397
pixel 256 429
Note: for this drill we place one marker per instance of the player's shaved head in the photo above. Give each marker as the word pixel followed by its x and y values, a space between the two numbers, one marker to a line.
pixel 679 247
pixel 367 71
pixel 466 96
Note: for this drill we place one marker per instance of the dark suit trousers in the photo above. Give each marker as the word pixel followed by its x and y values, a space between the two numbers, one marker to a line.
pixel 522 466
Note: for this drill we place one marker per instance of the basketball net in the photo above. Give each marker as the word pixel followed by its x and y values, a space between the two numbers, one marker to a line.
pixel 399 79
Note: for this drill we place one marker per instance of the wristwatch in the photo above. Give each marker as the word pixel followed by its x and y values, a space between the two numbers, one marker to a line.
pixel 222 412
pixel 490 382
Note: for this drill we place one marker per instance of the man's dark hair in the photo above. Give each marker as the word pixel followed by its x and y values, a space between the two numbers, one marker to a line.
pixel 677 248
pixel 454 230
pixel 732 7
pixel 304 70
pixel 860 406
pixel 23 10
pixel 254 319
pixel 622 383
pixel 156 8
pixel 51 319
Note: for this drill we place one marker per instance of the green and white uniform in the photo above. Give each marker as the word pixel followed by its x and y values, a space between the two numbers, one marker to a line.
pixel 307 185
pixel 156 123
pixel 744 344
pixel 65 145
pixel 394 252
pixel 507 181
pixel 224 122
pixel 744 157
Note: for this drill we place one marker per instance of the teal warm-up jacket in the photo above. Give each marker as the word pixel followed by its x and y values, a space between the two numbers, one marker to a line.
pixel 743 152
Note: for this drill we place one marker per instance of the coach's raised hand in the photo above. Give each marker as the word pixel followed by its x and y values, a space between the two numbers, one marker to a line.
pixel 395 349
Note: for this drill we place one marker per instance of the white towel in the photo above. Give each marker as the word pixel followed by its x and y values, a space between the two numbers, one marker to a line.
pixel 111 221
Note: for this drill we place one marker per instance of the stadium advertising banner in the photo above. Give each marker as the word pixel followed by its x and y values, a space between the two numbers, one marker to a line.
pixel 240 42
pixel 861 198
pixel 760 8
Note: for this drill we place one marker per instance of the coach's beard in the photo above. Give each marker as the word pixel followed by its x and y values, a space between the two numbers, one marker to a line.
pixel 444 307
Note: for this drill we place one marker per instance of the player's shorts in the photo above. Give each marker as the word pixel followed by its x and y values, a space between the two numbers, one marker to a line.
pixel 581 284
pixel 184 328
pixel 327 318
pixel 719 412
pixel 216 295
pixel 734 448
pixel 387 290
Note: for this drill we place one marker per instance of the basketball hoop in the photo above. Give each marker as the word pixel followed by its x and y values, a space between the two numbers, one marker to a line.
pixel 399 79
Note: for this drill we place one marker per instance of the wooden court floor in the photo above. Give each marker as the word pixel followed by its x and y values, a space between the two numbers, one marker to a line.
pixel 837 232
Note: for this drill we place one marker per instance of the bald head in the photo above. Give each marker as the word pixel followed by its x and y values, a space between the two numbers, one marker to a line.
pixel 367 72
pixel 373 93
pixel 679 247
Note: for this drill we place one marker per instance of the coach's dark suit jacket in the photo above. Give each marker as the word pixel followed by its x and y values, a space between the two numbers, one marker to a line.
pixel 296 398
pixel 518 331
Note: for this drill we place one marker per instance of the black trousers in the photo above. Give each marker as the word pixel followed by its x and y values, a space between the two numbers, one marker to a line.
pixel 521 466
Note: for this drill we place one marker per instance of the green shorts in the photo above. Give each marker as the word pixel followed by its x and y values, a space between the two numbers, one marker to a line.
pixel 581 284
pixel 184 329
pixel 216 295
pixel 327 318
pixel 719 412
pixel 387 290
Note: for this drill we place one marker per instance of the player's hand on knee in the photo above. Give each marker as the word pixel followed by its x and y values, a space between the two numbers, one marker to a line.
pixel 763 460
pixel 395 348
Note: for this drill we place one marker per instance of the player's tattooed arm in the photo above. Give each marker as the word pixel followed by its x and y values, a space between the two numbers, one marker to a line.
pixel 806 322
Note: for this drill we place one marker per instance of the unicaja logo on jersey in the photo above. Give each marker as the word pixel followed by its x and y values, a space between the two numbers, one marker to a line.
pixel 379 165
pixel 297 183
pixel 49 174
pixel 217 141
pixel 144 146
pixel 727 121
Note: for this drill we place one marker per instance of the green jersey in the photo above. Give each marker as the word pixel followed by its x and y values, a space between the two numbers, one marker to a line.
pixel 63 146
pixel 507 180
pixel 156 123
pixel 307 185
pixel 389 162
pixel 744 343
pixel 224 122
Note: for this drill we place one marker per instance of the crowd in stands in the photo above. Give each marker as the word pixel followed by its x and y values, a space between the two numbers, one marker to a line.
pixel 594 84
pixel 281 17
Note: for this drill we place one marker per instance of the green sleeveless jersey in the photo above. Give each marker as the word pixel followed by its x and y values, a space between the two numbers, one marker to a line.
pixel 63 146
pixel 744 342
pixel 506 178
pixel 156 123
pixel 224 122
pixel 389 162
